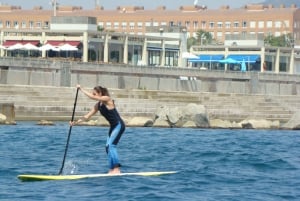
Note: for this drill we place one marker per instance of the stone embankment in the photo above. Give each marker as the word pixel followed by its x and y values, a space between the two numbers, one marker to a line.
pixel 157 108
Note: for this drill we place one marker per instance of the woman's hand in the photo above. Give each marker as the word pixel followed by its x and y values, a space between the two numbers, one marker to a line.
pixel 73 123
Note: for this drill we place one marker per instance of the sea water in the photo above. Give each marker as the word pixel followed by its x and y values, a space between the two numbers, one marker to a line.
pixel 211 164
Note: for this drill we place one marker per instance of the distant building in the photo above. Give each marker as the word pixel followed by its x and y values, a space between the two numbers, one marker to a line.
pixel 134 36
pixel 250 19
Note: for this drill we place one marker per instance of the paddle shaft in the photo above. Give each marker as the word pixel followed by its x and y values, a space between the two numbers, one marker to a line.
pixel 70 129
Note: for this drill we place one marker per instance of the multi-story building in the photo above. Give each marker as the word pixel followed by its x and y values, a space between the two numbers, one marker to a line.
pixel 133 35
pixel 250 19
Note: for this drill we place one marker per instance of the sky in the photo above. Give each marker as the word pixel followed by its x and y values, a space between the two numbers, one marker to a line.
pixel 112 4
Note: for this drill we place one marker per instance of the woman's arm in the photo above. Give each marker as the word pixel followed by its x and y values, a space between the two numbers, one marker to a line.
pixel 93 96
pixel 85 117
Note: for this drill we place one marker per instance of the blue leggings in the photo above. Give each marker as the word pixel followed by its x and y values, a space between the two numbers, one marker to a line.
pixel 113 138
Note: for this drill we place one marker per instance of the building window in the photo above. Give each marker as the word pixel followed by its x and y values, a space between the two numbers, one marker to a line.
pixel 269 24
pixel 131 25
pixel 195 24
pixel 140 25
pixel 124 25
pixel 1 24
pixel 23 25
pixel 244 24
pixel 278 24
pixel 163 23
pixel 203 24
pixel 236 24
pixel 187 24
pixel 171 58
pixel 252 24
pixel 108 25
pixel 154 58
pixel 155 24
pixel 286 23
pixel 116 25
pixel 38 25
pixel 46 24
pixel 171 23
pixel 220 24
pixel 261 24
pixel 16 24
pixel 211 25
pixel 7 24
pixel 31 24
pixel 101 25
pixel 179 23
pixel 227 25
pixel 148 24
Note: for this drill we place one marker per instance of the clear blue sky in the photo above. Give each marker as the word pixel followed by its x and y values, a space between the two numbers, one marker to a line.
pixel 112 4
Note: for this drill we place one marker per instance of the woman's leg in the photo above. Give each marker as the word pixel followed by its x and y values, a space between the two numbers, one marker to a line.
pixel 111 149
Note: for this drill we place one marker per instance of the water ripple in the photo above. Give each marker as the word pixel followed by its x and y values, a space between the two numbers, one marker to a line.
pixel 211 164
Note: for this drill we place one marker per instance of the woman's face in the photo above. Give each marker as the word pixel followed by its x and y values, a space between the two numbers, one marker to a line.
pixel 96 93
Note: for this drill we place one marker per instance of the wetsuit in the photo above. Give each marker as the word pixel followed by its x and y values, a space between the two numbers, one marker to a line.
pixel 117 127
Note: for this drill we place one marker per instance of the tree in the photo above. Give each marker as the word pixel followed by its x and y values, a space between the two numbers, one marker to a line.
pixel 204 37
pixel 190 42
pixel 278 41
pixel 100 28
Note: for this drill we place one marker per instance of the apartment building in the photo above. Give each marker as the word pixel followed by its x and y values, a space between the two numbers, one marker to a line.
pixel 250 19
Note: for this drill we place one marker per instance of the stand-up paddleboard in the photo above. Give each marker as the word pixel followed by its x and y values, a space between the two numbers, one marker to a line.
pixel 36 177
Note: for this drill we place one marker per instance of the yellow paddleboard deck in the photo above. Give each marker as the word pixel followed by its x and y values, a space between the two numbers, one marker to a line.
pixel 36 177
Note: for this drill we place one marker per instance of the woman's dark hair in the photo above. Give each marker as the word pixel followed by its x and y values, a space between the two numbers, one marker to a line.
pixel 103 90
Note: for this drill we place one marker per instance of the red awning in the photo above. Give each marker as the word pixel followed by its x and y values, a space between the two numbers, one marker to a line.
pixel 9 43
pixel 57 43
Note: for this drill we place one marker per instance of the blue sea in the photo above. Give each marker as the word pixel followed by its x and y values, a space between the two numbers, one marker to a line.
pixel 212 164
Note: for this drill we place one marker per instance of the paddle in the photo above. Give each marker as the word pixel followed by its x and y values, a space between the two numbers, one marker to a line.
pixel 70 129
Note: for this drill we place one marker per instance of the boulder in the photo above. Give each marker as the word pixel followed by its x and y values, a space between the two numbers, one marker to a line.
pixel 293 123
pixel 161 123
pixel 179 116
pixel 236 125
pixel 197 114
pixel 2 119
pixel 45 123
pixel 140 122
pixel 101 121
pixel 257 124
pixel 161 113
pixel 189 124
pixel 219 123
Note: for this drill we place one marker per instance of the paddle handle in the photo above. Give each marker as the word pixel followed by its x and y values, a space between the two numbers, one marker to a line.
pixel 68 139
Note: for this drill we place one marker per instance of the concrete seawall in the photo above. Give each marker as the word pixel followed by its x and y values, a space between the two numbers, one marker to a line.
pixel 44 89
pixel 66 74
pixel 56 103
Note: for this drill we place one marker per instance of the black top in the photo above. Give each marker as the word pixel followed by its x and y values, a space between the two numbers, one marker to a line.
pixel 112 116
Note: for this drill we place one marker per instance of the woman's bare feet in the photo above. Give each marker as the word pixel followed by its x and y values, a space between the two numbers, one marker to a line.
pixel 116 170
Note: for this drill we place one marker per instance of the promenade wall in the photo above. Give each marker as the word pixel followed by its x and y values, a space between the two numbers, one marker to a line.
pixel 61 73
